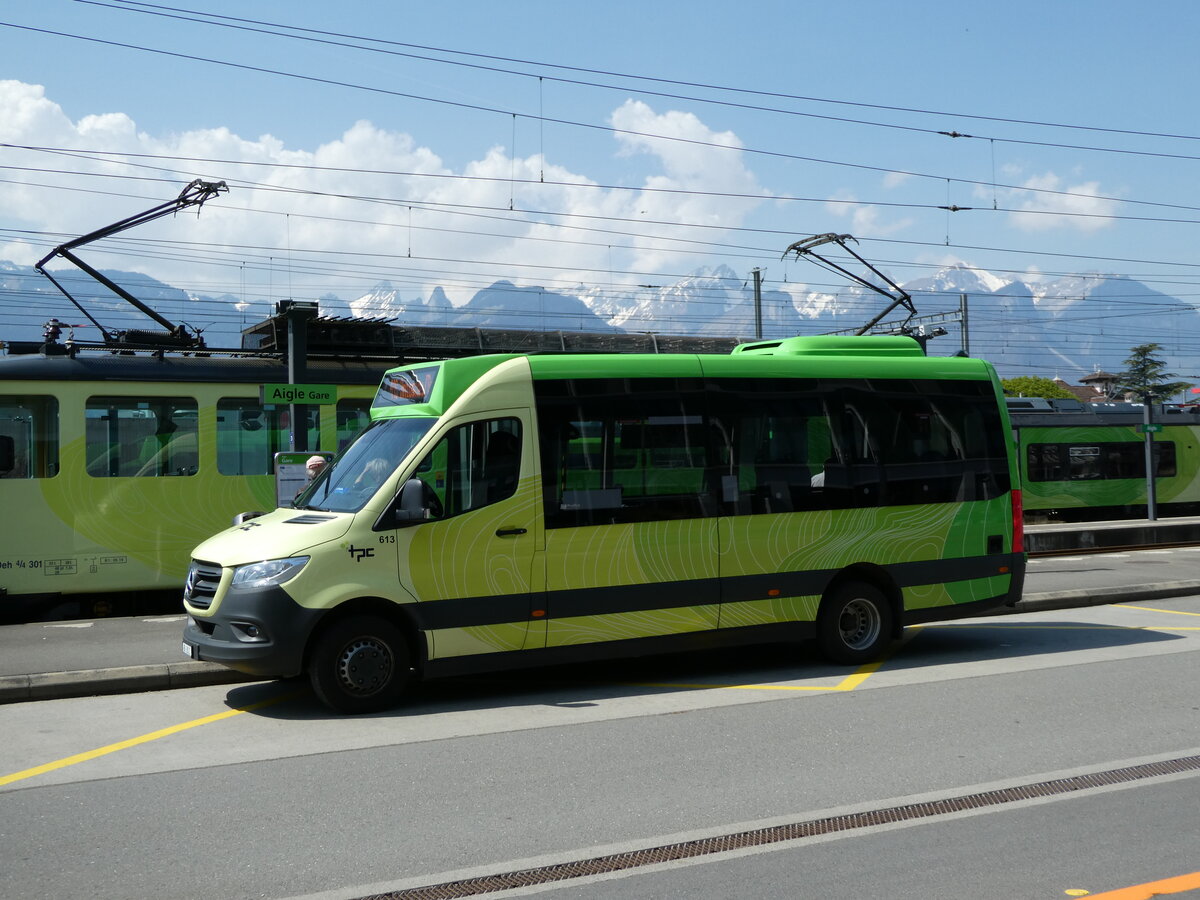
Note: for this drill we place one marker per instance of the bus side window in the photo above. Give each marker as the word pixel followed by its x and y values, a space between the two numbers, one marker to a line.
pixel 780 439
pixel 803 444
pixel 621 450
pixel 474 465
pixel 28 437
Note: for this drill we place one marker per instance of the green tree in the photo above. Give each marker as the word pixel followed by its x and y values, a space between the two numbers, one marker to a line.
pixel 1035 386
pixel 1145 375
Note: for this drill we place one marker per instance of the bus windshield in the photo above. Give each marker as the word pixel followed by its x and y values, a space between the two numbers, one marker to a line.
pixel 352 478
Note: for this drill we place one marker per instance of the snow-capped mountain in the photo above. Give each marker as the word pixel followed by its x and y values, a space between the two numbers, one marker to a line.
pixel 504 305
pixel 688 305
pixel 957 279
pixel 1064 327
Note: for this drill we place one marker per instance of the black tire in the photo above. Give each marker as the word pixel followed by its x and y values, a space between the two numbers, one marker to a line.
pixel 854 625
pixel 360 665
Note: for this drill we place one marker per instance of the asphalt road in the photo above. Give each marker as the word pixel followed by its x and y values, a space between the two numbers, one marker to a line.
pixel 60 659
pixel 257 791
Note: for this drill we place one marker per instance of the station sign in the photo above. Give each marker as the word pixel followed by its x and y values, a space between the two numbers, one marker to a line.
pixel 1152 428
pixel 315 394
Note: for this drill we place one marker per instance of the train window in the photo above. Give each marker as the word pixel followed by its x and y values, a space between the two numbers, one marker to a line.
pixel 127 437
pixel 28 437
pixel 352 417
pixel 1092 462
pixel 249 434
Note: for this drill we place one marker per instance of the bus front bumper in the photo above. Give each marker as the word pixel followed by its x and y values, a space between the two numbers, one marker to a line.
pixel 259 632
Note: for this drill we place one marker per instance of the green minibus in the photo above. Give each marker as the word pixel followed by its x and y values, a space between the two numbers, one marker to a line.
pixel 512 510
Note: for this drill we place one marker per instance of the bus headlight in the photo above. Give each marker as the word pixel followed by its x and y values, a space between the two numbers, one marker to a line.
pixel 267 573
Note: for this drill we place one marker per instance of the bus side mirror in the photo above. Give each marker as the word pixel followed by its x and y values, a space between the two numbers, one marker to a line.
pixel 411 507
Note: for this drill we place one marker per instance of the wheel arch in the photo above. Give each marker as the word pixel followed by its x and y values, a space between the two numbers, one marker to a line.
pixel 398 614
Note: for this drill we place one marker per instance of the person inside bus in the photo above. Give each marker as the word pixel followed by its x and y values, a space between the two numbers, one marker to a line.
pixel 372 476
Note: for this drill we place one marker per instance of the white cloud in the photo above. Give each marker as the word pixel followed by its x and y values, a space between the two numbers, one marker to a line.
pixel 939 260
pixel 865 220
pixel 895 179
pixel 692 170
pixel 288 225
pixel 1047 203
pixel 20 252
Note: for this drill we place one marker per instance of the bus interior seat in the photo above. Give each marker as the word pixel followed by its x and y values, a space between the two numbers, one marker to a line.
pixel 775 497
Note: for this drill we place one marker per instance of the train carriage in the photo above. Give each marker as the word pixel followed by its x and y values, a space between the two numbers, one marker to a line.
pixel 112 467
pixel 1089 463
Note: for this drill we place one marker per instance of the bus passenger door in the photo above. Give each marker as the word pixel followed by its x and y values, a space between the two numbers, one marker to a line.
pixel 470 564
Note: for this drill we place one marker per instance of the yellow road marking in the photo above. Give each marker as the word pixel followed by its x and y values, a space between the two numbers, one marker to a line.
pixel 1176 885
pixel 854 679
pixel 849 683
pixel 1178 612
pixel 141 739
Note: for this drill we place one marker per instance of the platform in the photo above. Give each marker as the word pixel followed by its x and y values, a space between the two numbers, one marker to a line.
pixel 1065 536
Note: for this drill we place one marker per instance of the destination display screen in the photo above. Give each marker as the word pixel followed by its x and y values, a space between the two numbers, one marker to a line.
pixel 407 386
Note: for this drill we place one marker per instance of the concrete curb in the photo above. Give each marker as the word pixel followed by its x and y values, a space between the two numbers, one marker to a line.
pixel 1102 596
pixel 133 679
pixel 117 680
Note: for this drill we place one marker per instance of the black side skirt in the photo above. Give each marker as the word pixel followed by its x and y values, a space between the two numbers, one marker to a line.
pixel 781 632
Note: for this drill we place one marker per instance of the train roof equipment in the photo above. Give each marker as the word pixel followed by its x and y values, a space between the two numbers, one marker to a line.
pixel 175 336
pixel 807 248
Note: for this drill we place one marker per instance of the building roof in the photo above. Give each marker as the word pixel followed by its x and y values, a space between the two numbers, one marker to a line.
pixel 1084 392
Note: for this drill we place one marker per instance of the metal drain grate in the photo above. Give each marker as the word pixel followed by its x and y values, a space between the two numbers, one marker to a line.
pixel 616 862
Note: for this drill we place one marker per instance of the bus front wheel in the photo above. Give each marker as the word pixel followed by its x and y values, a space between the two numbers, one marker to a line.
pixel 854 625
pixel 360 665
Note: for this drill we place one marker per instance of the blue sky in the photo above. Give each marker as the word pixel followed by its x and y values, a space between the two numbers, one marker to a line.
pixel 827 122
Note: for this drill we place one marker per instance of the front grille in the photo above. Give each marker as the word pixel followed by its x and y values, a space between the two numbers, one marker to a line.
pixel 203 579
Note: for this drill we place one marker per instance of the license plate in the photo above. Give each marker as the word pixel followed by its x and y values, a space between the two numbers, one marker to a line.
pixel 188 650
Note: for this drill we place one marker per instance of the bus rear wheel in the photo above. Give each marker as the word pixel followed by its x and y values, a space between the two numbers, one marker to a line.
pixel 854 625
pixel 360 665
